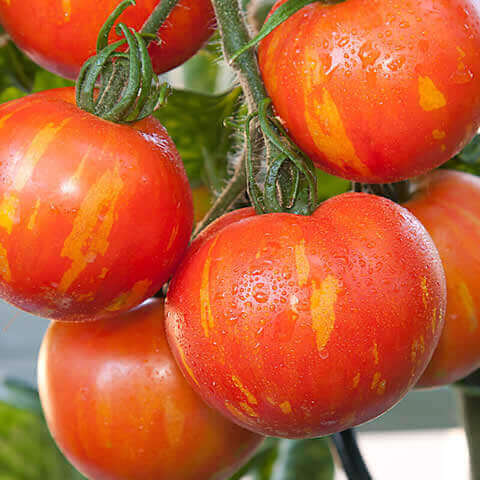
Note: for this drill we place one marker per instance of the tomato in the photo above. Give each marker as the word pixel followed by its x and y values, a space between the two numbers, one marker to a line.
pixel 377 91
pixel 94 216
pixel 120 409
pixel 298 326
pixel 448 205
pixel 60 35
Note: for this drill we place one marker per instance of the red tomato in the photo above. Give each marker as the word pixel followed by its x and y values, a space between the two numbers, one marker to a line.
pixel 377 91
pixel 94 216
pixel 298 326
pixel 448 205
pixel 60 35
pixel 120 409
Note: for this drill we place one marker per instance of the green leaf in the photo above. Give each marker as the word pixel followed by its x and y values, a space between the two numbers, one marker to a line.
pixel 468 160
pixel 27 451
pixel 329 185
pixel 21 395
pixel 282 13
pixel 303 460
pixel 261 464
pixel 195 122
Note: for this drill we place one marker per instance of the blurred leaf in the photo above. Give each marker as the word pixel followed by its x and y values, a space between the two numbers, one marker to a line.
pixel 201 72
pixel 19 76
pixel 260 465
pixel 21 395
pixel 27 451
pixel 303 460
pixel 329 185
pixel 468 160
pixel 195 121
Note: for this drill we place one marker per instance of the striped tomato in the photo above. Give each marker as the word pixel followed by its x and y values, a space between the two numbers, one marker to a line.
pixel 120 409
pixel 94 216
pixel 377 91
pixel 61 34
pixel 448 205
pixel 302 326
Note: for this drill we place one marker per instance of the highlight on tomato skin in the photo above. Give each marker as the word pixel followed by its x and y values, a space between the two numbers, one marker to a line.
pixel 61 35
pixel 377 91
pixel 94 216
pixel 448 205
pixel 120 409
pixel 297 326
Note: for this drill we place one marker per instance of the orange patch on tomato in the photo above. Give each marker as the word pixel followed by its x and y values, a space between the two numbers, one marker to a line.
pixel 438 134
pixel 326 128
pixel 103 273
pixel 250 397
pixel 348 419
pixel 67 9
pixel 206 315
pixel 424 287
pixel 235 411
pixel 302 264
pixel 130 299
pixel 434 320
pixel 173 236
pixel 85 297
pixel 286 407
pixel 356 380
pixel 5 271
pixel 431 98
pixel 316 70
pixel 271 69
pixel 186 365
pixel 8 211
pixel 35 152
pixel 174 419
pixel 92 226
pixel 26 166
pixel 33 217
pixel 469 304
pixel 322 309
pixel 378 384
pixel 248 409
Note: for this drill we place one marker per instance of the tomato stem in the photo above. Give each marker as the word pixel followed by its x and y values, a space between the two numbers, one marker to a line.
pixel 158 16
pixel 347 447
pixel 129 89
pixel 286 174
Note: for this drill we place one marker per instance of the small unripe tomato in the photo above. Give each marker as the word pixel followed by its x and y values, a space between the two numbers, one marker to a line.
pixel 377 91
pixel 94 216
pixel 120 409
pixel 298 326
pixel 448 205
pixel 60 35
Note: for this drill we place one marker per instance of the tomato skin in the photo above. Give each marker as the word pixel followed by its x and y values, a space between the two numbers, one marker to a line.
pixel 60 35
pixel 120 409
pixel 379 91
pixel 300 326
pixel 94 216
pixel 448 205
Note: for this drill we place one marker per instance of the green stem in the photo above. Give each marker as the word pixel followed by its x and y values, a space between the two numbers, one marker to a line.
pixel 235 35
pixel 235 187
pixel 158 16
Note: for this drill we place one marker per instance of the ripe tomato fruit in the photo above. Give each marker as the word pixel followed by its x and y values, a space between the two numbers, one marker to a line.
pixel 448 205
pixel 94 216
pixel 61 35
pixel 377 91
pixel 120 409
pixel 299 326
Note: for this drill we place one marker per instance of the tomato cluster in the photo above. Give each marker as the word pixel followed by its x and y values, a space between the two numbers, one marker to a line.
pixel 285 325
